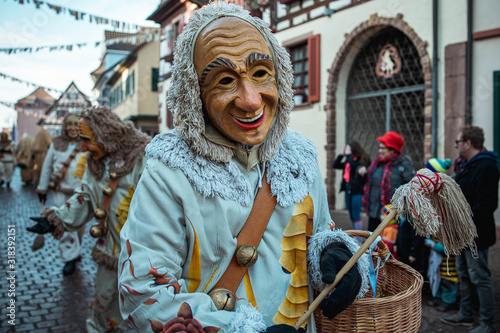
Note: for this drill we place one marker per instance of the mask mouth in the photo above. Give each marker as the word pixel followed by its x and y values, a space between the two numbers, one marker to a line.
pixel 250 123
pixel 72 133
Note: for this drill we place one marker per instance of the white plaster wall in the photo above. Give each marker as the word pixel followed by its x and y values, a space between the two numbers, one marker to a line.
pixel 311 123
pixel 482 85
pixel 486 15
pixel 452 29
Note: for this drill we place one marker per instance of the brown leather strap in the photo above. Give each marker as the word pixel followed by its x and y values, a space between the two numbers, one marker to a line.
pixel 251 233
pixel 106 201
pixel 65 166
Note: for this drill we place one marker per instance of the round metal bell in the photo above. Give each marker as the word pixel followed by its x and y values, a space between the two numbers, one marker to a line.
pixel 99 213
pixel 223 299
pixel 52 185
pixel 96 231
pixel 113 175
pixel 107 191
pixel 246 255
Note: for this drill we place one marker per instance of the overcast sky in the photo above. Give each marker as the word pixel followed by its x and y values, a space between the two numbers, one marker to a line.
pixel 26 26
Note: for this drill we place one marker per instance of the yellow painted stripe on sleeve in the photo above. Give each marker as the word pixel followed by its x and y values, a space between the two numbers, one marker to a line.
pixel 195 265
pixel 249 290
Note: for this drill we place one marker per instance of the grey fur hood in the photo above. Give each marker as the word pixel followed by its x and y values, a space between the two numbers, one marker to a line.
pixel 120 139
pixel 184 93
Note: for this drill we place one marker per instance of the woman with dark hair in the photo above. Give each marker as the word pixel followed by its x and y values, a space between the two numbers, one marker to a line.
pixel 354 162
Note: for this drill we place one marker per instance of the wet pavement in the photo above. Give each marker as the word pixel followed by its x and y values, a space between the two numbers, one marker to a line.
pixel 36 297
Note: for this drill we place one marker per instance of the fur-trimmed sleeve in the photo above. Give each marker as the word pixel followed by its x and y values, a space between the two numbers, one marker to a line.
pixel 53 219
pixel 316 245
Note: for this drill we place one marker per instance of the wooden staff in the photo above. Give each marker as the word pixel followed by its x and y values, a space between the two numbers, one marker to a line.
pixel 366 244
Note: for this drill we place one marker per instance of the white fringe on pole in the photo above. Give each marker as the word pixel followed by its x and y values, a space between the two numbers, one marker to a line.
pixel 434 204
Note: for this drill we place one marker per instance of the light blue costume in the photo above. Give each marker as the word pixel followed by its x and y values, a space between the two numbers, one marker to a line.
pixel 196 193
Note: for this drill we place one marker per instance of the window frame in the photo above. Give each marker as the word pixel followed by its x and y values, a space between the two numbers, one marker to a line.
pixel 313 69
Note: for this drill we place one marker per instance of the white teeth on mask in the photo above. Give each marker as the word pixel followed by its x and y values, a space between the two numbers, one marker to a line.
pixel 250 120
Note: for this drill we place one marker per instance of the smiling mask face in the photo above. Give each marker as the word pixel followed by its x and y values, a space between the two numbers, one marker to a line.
pixel 71 126
pixel 89 144
pixel 237 79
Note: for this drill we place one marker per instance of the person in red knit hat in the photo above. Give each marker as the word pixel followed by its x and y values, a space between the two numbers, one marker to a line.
pixel 388 171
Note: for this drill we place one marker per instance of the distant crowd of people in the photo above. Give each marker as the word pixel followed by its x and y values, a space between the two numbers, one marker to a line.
pixel 456 282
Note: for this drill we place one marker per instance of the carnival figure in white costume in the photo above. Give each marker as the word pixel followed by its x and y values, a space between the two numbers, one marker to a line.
pixel 60 177
pixel 193 262
pixel 115 161
pixel 7 160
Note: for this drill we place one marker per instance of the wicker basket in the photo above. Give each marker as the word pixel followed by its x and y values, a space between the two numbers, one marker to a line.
pixel 399 309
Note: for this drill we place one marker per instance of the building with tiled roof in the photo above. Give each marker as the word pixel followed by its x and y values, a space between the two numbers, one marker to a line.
pixel 116 46
pixel 72 100
pixel 133 87
pixel 31 110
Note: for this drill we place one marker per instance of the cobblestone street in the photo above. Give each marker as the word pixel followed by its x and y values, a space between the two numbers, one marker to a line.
pixel 47 301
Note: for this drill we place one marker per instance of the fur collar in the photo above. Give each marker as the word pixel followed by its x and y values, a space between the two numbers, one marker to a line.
pixel 291 171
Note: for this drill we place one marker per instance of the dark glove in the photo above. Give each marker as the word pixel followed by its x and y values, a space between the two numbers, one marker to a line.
pixel 333 258
pixel 42 197
pixel 42 226
pixel 282 328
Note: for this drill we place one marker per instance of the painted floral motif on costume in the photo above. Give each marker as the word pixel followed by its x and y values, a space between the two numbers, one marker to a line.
pixel 294 260
pixel 159 279
pixel 183 323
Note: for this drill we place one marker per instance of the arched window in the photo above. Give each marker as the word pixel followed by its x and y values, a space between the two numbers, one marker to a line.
pixel 385 92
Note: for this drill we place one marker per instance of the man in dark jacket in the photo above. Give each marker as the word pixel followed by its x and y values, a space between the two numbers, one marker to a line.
pixel 478 178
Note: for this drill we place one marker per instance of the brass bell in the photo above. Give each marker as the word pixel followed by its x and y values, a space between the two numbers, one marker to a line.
pixel 96 231
pixel 223 299
pixel 52 185
pixel 99 213
pixel 246 255
pixel 107 191
pixel 113 175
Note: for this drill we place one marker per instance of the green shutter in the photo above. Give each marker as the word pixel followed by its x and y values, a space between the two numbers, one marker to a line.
pixel 154 79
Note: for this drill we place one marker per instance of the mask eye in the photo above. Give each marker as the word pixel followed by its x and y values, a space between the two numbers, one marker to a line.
pixel 226 80
pixel 260 73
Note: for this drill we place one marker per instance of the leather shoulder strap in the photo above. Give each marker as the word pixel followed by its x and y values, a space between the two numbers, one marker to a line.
pixel 251 233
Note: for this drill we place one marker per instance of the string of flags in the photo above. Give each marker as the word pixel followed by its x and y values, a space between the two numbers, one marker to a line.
pixel 8 104
pixel 80 16
pixel 31 113
pixel 135 39
pixel 15 79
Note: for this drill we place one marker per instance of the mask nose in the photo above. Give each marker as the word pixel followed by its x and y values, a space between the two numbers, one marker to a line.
pixel 248 99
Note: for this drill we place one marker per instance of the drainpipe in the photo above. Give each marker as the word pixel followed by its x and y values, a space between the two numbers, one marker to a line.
pixel 434 77
pixel 468 67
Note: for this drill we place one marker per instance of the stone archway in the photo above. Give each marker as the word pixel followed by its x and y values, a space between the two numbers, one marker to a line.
pixel 351 46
